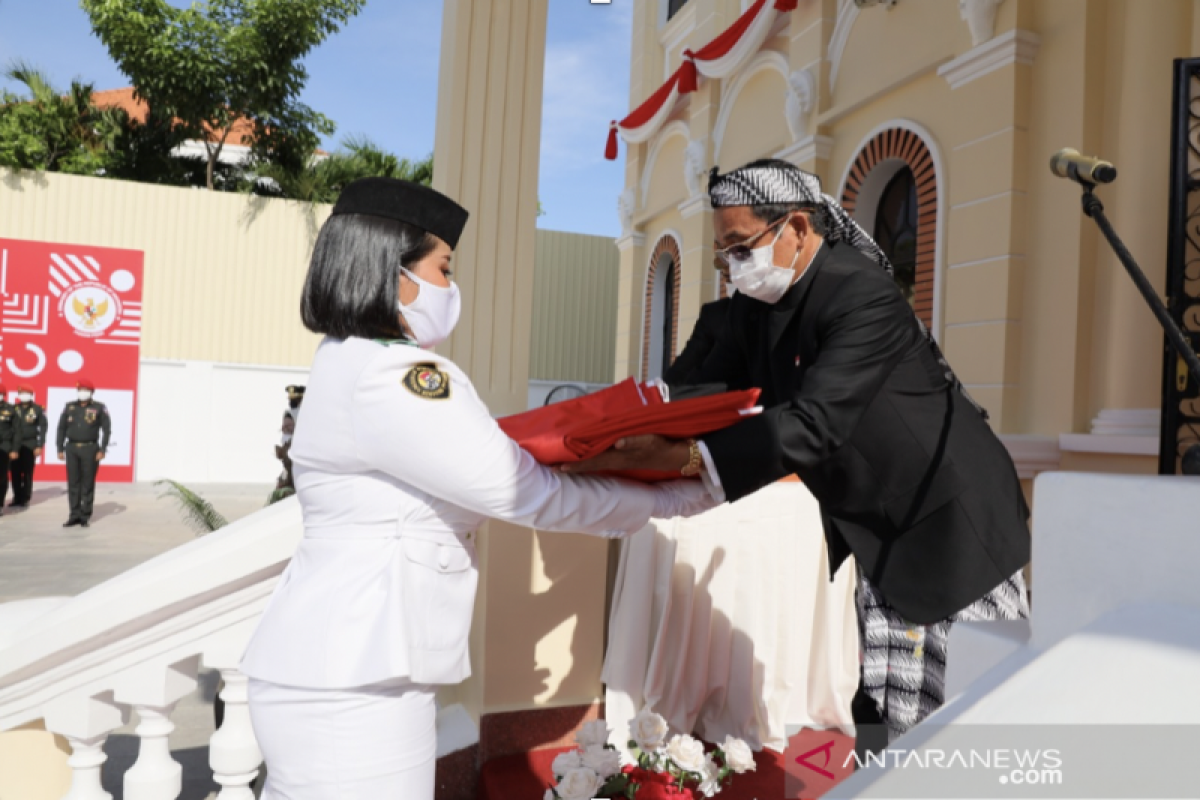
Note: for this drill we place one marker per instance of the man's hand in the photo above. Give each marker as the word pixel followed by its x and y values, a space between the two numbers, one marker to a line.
pixel 13 456
pixel 99 455
pixel 38 452
pixel 650 452
pixel 62 456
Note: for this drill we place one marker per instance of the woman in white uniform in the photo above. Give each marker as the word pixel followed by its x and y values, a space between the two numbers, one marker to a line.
pixel 396 464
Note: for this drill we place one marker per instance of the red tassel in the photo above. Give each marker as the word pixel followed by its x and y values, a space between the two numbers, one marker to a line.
pixel 687 73
pixel 783 6
pixel 610 150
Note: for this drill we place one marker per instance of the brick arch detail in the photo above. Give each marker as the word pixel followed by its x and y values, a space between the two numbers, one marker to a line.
pixel 666 245
pixel 902 144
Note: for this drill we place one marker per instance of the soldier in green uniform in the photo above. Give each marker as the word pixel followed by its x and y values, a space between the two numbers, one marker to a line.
pixel 83 431
pixel 8 425
pixel 27 445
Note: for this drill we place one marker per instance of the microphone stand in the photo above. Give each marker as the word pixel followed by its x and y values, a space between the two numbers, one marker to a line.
pixel 1093 208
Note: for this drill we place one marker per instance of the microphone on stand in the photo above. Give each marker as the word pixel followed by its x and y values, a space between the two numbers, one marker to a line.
pixel 1069 163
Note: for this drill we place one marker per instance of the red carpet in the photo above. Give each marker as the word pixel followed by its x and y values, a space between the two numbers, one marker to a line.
pixel 777 775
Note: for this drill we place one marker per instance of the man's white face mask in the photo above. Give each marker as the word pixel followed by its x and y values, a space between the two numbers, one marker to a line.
pixel 85 395
pixel 758 277
pixel 433 314
pixel 25 397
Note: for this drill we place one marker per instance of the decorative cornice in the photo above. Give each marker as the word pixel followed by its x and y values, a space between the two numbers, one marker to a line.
pixel 694 205
pixel 1013 47
pixel 980 16
pixel 813 148
pixel 630 241
pixel 1109 444
pixel 801 97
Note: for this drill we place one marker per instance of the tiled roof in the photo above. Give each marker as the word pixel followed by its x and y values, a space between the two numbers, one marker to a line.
pixel 241 133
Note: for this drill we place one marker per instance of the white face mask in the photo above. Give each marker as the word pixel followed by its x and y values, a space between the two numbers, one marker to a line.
pixel 25 397
pixel 85 395
pixel 758 277
pixel 433 314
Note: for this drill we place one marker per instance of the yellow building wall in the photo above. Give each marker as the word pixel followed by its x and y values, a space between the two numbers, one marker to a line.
pixel 1033 310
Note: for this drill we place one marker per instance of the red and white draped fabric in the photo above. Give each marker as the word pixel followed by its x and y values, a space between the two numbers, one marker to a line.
pixel 721 57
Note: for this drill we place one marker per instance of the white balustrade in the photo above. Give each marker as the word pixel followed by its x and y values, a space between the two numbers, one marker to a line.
pixel 233 752
pixel 134 644
pixel 86 722
pixel 153 690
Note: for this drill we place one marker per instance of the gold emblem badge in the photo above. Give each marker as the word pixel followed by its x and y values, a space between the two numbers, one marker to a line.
pixel 89 416
pixel 427 381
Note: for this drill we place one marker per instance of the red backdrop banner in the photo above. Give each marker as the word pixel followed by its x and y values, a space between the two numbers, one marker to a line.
pixel 71 312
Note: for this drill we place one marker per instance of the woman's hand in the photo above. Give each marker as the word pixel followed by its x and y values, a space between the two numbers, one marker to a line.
pixel 682 498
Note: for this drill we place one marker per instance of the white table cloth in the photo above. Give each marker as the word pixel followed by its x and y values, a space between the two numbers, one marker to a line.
pixel 727 623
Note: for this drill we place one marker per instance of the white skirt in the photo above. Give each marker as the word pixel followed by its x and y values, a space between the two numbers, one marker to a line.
pixel 374 742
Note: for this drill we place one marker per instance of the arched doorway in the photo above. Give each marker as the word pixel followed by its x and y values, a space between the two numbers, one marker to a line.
pixel 891 191
pixel 662 308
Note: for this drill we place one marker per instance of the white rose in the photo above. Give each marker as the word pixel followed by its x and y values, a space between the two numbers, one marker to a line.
pixel 686 752
pixel 602 761
pixel 592 734
pixel 579 784
pixel 648 731
pixel 738 756
pixel 565 762
pixel 710 778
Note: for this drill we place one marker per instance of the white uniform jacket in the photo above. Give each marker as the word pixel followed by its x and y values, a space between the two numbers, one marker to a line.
pixel 396 465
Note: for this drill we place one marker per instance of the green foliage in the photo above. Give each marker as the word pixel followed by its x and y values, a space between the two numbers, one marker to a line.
pixel 55 131
pixel 280 494
pixel 224 60
pixel 197 512
pixel 321 180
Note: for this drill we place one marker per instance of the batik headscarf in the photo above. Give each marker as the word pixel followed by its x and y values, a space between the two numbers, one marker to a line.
pixel 771 183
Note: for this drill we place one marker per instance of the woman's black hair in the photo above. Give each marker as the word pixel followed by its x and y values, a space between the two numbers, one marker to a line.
pixel 353 283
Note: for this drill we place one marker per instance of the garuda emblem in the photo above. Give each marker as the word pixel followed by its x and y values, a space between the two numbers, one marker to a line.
pixel 89 310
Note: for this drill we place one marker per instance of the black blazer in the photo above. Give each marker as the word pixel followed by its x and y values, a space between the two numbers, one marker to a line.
pixel 711 326
pixel 910 478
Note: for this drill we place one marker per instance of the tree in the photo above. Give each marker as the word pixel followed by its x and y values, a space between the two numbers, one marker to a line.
pixel 55 131
pixel 321 180
pixel 223 61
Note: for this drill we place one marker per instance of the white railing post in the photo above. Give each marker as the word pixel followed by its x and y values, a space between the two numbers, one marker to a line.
pixel 86 722
pixel 153 690
pixel 233 752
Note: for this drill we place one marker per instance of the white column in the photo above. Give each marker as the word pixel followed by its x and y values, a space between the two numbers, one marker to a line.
pixel 233 752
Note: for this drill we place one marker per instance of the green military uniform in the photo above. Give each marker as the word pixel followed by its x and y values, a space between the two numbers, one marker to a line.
pixel 83 431
pixel 8 433
pixel 30 436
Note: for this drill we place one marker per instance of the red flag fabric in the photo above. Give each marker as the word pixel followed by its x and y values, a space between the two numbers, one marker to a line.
pixel 579 429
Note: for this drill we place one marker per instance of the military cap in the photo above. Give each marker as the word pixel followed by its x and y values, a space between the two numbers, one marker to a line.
pixel 405 201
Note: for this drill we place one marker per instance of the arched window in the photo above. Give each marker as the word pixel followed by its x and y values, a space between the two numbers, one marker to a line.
pixel 896 228
pixel 662 308
pixel 668 322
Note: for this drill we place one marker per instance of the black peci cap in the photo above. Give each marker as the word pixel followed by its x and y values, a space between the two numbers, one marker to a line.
pixel 418 205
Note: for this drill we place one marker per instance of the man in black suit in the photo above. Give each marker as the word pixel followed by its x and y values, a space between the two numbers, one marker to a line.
pixel 711 326
pixel 861 405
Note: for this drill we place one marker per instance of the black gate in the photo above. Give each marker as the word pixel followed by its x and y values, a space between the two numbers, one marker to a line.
pixel 1181 393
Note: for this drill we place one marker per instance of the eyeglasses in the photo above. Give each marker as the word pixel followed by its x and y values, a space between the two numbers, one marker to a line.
pixel 741 250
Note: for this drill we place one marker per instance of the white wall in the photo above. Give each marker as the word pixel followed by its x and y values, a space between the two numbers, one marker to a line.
pixel 206 422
